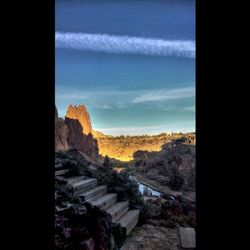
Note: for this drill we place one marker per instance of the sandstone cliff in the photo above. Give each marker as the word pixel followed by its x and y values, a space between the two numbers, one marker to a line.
pixel 81 114
pixel 69 134
pixel 82 142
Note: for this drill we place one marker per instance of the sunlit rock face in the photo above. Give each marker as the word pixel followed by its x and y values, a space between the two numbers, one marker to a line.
pixel 69 132
pixel 81 114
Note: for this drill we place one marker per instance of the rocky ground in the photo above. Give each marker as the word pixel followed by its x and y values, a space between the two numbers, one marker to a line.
pixel 160 228
pixel 172 170
pixel 153 237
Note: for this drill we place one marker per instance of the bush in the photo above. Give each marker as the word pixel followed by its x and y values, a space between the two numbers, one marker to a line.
pixel 176 182
pixel 107 162
pixel 78 169
pixel 176 179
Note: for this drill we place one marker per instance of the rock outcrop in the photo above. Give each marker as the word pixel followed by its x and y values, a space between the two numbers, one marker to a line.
pixel 80 141
pixel 173 166
pixel 81 114
pixel 61 133
pixel 69 134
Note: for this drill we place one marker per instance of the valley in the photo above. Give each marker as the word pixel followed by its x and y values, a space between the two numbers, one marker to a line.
pixel 154 176
pixel 123 148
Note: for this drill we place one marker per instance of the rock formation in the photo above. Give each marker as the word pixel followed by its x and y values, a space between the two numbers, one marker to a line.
pixel 173 166
pixel 61 133
pixel 81 114
pixel 69 133
pixel 78 140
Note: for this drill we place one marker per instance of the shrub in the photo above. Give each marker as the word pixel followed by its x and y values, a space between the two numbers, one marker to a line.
pixel 176 179
pixel 107 162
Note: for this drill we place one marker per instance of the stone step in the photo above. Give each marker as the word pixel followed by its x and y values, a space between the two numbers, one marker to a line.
pixel 105 201
pixel 129 220
pixel 187 235
pixel 93 193
pixel 82 185
pixel 97 196
pixel 75 179
pixel 118 210
pixel 61 172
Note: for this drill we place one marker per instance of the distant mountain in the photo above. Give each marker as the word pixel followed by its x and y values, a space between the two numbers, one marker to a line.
pixel 98 134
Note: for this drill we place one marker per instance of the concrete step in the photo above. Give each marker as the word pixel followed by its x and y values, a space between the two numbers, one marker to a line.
pixel 105 201
pixel 82 185
pixel 93 193
pixel 129 220
pixel 61 172
pixel 118 210
pixel 75 179
pixel 97 196
pixel 187 235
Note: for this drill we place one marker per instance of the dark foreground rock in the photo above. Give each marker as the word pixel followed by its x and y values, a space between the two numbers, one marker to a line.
pixel 82 227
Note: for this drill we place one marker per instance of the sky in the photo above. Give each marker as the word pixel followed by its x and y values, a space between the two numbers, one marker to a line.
pixel 132 63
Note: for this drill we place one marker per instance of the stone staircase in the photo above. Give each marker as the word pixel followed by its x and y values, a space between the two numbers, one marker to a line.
pixel 88 191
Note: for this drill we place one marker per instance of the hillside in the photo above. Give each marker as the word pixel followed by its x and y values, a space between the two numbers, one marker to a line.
pixel 173 166
pixel 123 147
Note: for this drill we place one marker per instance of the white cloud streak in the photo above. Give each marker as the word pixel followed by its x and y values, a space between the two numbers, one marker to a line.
pixel 105 106
pixel 189 109
pixel 164 95
pixel 125 44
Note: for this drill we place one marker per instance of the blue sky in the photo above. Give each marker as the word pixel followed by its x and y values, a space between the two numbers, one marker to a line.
pixel 132 63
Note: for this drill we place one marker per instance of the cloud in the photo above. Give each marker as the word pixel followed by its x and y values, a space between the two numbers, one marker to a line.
pixel 103 106
pixel 166 108
pixel 72 95
pixel 116 99
pixel 164 95
pixel 189 109
pixel 125 44
pixel 65 93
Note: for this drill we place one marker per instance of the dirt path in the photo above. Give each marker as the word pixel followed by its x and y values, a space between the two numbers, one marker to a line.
pixel 150 237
